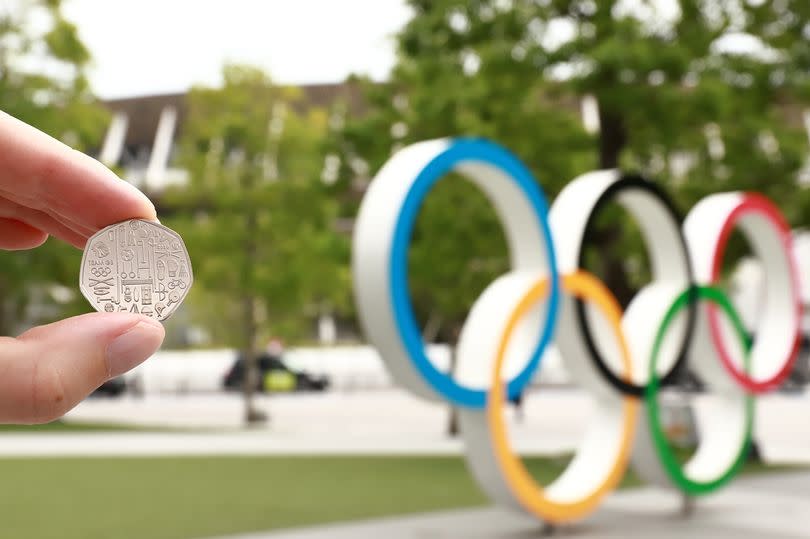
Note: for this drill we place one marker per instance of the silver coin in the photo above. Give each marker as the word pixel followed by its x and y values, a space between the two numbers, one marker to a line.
pixel 136 266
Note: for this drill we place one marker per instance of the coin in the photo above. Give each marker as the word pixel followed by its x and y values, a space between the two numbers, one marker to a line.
pixel 136 266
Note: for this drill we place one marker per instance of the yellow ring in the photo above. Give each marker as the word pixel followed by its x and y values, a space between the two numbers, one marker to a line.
pixel 527 492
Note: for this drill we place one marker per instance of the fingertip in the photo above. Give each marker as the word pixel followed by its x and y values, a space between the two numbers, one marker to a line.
pixel 16 235
pixel 146 208
pixel 151 321
pixel 134 346
pixel 49 369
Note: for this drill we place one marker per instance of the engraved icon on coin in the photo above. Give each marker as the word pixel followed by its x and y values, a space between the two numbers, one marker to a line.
pixel 127 264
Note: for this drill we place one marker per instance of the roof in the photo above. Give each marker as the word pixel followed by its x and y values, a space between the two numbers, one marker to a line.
pixel 144 112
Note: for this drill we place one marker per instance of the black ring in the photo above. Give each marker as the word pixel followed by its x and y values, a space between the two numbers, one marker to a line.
pixel 632 182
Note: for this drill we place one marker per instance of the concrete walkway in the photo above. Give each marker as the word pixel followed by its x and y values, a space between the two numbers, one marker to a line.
pixel 361 423
pixel 772 507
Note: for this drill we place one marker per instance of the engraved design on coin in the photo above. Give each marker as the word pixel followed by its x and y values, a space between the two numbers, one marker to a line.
pixel 136 266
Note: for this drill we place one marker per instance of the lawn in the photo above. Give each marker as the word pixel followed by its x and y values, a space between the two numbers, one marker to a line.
pixel 60 426
pixel 172 498
pixel 64 426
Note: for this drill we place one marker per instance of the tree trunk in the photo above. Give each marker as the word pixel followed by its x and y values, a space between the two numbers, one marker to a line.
pixel 251 379
pixel 432 327
pixel 611 267
pixel 612 140
pixel 252 376
pixel 452 420
pixel 452 423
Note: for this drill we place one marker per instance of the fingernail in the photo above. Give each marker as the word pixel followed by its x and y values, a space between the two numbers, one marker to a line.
pixel 133 347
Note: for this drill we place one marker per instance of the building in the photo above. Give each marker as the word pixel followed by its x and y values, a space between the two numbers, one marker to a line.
pixel 141 138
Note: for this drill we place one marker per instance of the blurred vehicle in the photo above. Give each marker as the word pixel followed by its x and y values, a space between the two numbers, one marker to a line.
pixel 274 375
pixel 111 388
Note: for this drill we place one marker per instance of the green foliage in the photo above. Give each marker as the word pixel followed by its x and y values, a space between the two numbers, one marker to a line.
pixel 256 215
pixel 515 71
pixel 35 41
pixel 458 247
pixel 63 42
pixel 42 78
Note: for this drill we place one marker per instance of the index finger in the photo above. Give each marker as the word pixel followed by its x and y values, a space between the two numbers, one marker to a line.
pixel 43 174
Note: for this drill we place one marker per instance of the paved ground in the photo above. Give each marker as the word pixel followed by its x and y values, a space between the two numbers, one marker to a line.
pixel 370 422
pixel 772 507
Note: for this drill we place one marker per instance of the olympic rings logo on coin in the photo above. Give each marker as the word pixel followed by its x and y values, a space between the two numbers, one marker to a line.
pixel 102 271
pixel 622 359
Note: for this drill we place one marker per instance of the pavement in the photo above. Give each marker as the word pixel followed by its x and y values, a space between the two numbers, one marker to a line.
pixel 774 506
pixel 382 422
pixel 389 422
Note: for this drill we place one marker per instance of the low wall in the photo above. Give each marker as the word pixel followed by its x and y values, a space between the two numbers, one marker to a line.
pixel 348 368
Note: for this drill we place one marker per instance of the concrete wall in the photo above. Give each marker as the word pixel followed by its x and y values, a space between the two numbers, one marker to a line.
pixel 348 368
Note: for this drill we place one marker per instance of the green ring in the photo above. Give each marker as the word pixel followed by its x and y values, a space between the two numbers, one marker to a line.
pixel 665 453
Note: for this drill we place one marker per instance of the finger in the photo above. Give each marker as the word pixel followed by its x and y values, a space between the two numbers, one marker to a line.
pixel 42 221
pixel 15 235
pixel 40 172
pixel 27 213
pixel 48 370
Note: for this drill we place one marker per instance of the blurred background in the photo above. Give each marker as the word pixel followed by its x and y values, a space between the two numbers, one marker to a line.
pixel 256 127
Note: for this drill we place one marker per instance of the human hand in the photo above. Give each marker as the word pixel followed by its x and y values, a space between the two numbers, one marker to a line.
pixel 47 189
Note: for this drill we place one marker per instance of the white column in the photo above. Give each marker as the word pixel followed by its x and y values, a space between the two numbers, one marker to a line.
pixel 114 140
pixel 159 158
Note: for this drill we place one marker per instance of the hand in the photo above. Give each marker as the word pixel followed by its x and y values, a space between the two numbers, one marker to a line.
pixel 47 189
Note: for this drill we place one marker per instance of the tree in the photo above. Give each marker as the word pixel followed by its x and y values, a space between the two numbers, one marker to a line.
pixel 43 83
pixel 675 101
pixel 680 98
pixel 457 248
pixel 255 215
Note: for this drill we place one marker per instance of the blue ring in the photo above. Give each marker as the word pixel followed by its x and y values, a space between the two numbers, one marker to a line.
pixel 465 149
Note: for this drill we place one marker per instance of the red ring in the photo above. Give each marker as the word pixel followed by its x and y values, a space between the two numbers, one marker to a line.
pixel 754 203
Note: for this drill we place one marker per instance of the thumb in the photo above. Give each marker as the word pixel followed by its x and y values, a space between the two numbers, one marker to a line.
pixel 50 369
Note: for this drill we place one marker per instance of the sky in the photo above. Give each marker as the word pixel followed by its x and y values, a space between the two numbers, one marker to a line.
pixel 161 46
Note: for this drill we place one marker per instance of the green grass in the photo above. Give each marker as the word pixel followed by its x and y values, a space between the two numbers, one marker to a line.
pixel 65 426
pixel 196 497
pixel 61 426
pixel 172 498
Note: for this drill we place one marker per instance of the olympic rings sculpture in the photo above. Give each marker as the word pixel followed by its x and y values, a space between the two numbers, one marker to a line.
pixel 623 359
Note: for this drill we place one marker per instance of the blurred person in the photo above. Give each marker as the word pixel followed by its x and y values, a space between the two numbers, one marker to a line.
pixel 274 349
pixel 49 189
pixel 275 375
